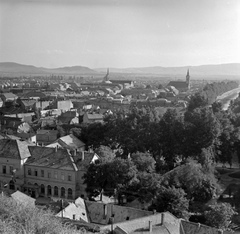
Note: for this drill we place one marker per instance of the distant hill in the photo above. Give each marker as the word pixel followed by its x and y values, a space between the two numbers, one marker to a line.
pixel 231 69
pixel 15 68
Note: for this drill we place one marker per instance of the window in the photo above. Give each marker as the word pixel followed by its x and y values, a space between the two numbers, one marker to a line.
pixel 42 189
pixel 42 173
pixel 70 193
pixel 56 191
pixel 36 173
pixel 69 178
pixel 11 170
pixel 49 175
pixel 4 169
pixel 55 174
pixel 29 171
pixel 49 190
pixel 11 185
pixel 62 192
pixel 62 176
pixel 74 217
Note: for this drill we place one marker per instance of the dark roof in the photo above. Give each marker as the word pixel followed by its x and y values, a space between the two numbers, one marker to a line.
pixel 15 149
pixel 50 157
pixel 30 102
pixel 178 84
pixel 57 158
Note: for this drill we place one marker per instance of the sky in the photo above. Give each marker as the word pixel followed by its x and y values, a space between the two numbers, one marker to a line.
pixel 119 33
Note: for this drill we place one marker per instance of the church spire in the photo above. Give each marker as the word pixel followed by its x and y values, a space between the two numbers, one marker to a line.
pixel 188 77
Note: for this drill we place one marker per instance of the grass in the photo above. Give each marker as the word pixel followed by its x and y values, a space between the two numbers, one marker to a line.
pixel 19 219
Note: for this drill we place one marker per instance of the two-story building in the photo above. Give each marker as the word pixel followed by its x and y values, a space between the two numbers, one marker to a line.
pixel 13 155
pixel 56 173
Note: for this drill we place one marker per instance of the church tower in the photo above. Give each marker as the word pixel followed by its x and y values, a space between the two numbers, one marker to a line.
pixel 188 79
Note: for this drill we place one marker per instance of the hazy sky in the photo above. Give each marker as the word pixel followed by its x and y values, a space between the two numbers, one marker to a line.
pixel 119 33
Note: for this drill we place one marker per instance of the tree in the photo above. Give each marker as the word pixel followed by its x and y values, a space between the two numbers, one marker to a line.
pixel 201 131
pixel 171 128
pixel 196 101
pixel 116 174
pixel 146 185
pixel 76 132
pixel 105 153
pixel 173 200
pixel 219 215
pixel 144 162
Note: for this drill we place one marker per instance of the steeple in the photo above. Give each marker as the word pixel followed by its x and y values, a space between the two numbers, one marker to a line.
pixel 188 79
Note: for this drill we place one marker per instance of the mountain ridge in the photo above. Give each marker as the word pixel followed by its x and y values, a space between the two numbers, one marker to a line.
pixel 226 69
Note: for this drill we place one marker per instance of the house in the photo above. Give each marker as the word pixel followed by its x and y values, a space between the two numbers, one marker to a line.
pixel 64 105
pixel 68 117
pixel 68 142
pixel 45 137
pixel 8 97
pixel 23 199
pixel 92 118
pixel 13 155
pixel 53 172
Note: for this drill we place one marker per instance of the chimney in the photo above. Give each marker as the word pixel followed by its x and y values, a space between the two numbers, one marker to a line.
pixel 162 218
pixel 150 226
pixel 82 155
pixel 56 148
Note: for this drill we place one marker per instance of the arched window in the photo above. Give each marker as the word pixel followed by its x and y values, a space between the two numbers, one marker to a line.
pixel 62 192
pixel 49 190
pixel 70 193
pixel 42 189
pixel 11 185
pixel 56 191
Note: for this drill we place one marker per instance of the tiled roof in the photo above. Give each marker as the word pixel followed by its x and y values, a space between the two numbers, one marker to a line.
pixel 15 149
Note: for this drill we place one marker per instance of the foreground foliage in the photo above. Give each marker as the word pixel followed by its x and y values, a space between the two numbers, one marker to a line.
pixel 19 219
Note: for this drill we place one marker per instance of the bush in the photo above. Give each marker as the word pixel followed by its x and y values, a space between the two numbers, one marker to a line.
pixel 19 219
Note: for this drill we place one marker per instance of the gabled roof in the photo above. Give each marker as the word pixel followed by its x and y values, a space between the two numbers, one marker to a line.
pixel 22 198
pixel 15 149
pixel 9 95
pixel 70 142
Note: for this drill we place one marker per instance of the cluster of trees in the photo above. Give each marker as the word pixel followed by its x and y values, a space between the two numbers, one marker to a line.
pixel 168 160
pixel 211 91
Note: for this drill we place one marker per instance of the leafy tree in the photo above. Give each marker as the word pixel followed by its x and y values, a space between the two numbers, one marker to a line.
pixel 192 177
pixel 116 174
pixel 219 215
pixel 61 131
pixel 173 200
pixel 146 185
pixel 201 131
pixel 171 128
pixel 76 132
pixel 197 101
pixel 105 153
pixel 144 162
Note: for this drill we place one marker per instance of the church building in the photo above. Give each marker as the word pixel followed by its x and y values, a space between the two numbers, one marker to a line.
pixel 182 86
